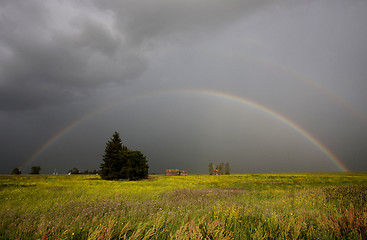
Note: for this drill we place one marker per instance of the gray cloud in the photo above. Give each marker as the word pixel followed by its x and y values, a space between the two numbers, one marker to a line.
pixel 44 64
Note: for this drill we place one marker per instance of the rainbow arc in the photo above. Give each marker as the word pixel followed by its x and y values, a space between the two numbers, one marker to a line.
pixel 277 116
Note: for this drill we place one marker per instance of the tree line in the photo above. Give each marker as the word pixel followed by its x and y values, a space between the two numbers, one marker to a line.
pixel 219 169
pixel 34 170
pixel 37 170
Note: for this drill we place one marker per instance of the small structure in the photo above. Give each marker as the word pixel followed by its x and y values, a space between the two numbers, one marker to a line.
pixel 216 172
pixel 176 172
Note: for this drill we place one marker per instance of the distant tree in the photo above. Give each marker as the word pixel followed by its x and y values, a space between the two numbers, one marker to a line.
pixel 211 167
pixel 16 171
pixel 36 170
pixel 220 168
pixel 74 171
pixel 227 170
pixel 89 172
pixel 119 162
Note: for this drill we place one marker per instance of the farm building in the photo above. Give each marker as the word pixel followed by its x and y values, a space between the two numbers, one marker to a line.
pixel 176 172
pixel 216 172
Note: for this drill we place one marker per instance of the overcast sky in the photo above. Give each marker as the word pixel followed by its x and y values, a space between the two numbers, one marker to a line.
pixel 73 72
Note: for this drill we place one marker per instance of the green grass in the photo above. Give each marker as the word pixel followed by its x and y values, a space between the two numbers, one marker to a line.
pixel 246 206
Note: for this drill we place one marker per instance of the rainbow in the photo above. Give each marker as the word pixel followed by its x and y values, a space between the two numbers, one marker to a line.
pixel 337 162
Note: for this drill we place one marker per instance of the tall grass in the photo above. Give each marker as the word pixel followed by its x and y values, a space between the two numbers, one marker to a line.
pixel 262 206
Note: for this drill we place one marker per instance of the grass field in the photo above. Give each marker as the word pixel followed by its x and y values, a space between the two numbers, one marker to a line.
pixel 246 206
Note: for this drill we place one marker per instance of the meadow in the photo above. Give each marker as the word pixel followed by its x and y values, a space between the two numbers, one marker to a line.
pixel 246 206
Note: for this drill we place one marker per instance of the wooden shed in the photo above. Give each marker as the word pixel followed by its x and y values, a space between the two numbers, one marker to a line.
pixel 176 172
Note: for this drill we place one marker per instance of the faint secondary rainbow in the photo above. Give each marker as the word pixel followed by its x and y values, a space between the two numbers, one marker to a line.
pixel 341 102
pixel 355 111
pixel 336 161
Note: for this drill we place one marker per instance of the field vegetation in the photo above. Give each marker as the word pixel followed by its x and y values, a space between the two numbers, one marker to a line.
pixel 246 206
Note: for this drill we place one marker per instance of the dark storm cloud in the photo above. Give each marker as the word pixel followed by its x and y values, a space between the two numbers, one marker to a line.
pixel 52 52
pixel 46 60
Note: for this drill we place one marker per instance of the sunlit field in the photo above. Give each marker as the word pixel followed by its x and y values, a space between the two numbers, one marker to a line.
pixel 247 206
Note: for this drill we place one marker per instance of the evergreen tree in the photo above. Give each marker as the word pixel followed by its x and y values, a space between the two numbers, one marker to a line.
pixel 136 167
pixel 111 167
pixel 125 166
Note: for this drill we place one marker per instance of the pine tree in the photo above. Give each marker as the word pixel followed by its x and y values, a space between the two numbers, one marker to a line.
pixel 112 165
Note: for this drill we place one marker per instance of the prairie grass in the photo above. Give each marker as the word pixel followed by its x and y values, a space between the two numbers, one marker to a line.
pixel 246 206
